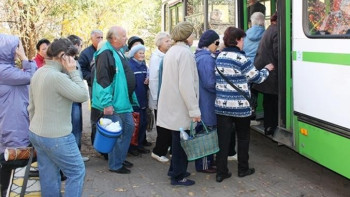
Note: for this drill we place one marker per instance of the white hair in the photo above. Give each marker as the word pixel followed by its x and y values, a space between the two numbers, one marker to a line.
pixel 258 18
pixel 96 31
pixel 159 38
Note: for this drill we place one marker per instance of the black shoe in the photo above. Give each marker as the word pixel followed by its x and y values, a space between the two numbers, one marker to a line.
pixel 246 173
pixel 134 152
pixel 147 143
pixel 34 173
pixel 143 150
pixel 121 170
pixel 127 164
pixel 270 130
pixel 220 178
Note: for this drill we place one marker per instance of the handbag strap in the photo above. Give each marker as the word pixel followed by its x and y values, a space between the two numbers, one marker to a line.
pixel 26 174
pixel 235 87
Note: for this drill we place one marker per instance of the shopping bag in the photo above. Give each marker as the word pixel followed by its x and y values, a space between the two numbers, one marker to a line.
pixel 135 135
pixel 201 144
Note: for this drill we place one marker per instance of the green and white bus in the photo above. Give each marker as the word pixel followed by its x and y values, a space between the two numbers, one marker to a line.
pixel 314 68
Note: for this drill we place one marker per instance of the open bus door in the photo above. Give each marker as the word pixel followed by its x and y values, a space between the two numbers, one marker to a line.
pixel 284 132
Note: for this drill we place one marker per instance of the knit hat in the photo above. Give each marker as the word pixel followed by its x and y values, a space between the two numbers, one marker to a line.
pixel 207 38
pixel 135 49
pixel 182 31
pixel 134 39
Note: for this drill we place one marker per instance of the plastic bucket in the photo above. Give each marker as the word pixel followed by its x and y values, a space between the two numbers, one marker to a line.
pixel 105 140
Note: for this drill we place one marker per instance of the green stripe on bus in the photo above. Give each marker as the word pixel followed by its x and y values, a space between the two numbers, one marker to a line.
pixel 326 58
pixel 294 54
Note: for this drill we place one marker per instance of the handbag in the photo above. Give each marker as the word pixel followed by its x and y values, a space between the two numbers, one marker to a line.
pixel 135 136
pixel 235 87
pixel 200 145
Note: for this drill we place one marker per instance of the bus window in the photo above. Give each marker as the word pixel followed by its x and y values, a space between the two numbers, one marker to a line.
pixel 221 14
pixel 195 15
pixel 327 18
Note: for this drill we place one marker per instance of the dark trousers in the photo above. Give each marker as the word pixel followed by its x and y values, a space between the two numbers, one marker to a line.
pixel 225 130
pixel 6 168
pixel 5 176
pixel 163 140
pixel 270 104
pixel 77 122
pixel 232 147
pixel 178 164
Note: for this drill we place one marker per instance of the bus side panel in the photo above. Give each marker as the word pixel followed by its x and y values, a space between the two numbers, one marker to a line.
pixel 325 148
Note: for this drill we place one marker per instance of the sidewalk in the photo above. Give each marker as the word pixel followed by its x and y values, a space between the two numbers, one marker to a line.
pixel 279 172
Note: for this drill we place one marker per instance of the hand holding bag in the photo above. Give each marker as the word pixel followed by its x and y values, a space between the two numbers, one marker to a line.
pixel 200 145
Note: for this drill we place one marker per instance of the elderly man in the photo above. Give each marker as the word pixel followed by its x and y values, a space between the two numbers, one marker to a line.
pixel 113 94
pixel 87 54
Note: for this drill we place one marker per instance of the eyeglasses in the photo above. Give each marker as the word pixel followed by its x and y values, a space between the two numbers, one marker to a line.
pixel 100 37
pixel 217 43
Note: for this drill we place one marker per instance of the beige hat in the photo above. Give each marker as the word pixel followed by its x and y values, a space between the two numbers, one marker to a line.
pixel 182 31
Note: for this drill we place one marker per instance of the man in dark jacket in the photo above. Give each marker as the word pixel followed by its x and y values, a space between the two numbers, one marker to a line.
pixel 113 95
pixel 268 53
pixel 87 54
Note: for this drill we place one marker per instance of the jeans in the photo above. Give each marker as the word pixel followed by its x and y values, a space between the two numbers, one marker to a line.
pixel 225 130
pixel 77 123
pixel 120 149
pixel 55 154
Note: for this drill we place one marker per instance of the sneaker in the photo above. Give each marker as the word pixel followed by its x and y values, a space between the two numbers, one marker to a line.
pixel 85 159
pixel 254 123
pixel 162 159
pixel 232 158
pixel 184 182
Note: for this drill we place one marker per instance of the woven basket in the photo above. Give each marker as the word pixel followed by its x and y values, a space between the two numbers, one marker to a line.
pixel 200 145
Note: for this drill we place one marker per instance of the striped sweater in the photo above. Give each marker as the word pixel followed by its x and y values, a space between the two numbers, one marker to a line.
pixel 234 65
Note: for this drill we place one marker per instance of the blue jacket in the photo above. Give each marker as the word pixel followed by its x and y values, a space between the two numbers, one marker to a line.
pixel 252 40
pixel 14 119
pixel 205 61
pixel 237 68
pixel 140 71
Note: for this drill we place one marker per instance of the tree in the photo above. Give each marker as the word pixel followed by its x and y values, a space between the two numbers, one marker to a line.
pixel 36 19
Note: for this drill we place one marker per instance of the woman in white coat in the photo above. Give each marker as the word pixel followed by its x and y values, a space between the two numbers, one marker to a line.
pixel 163 142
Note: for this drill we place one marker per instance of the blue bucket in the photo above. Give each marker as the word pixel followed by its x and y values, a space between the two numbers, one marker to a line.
pixel 105 140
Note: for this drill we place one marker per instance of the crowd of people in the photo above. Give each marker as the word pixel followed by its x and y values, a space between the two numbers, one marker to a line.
pixel 179 86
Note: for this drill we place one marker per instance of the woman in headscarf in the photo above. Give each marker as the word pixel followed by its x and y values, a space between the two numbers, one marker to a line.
pixel 178 98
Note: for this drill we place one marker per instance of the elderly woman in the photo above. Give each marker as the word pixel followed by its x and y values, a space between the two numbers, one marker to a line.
pixel 163 141
pixel 178 98
pixel 138 66
pixel 254 35
pixel 14 120
pixel 205 59
pixel 52 93
pixel 230 105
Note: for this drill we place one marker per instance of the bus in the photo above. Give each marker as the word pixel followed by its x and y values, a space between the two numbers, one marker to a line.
pixel 314 68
